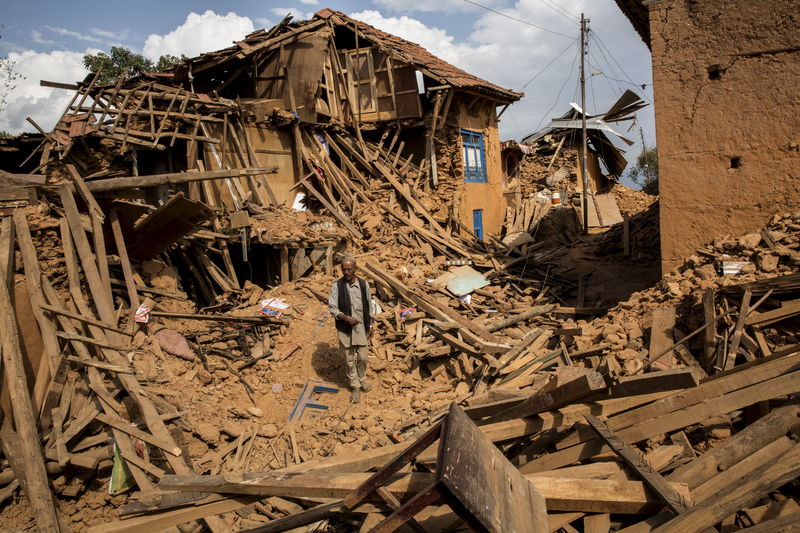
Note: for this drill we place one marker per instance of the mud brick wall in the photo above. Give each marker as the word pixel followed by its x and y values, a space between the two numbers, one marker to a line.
pixel 726 75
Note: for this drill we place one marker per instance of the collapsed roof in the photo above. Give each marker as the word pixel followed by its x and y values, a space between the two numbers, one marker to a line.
pixel 396 47
pixel 597 127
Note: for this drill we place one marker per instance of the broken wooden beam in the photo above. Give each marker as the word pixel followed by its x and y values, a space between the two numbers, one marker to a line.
pixel 153 180
pixel 564 494
pixel 634 460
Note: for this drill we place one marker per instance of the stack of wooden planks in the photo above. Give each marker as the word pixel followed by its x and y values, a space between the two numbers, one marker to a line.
pixel 652 459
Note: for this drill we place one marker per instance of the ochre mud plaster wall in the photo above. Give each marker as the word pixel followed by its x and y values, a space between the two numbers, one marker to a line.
pixel 486 196
pixel 726 75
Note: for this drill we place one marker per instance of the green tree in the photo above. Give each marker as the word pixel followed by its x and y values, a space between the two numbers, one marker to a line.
pixel 120 58
pixel 645 172
pixel 8 80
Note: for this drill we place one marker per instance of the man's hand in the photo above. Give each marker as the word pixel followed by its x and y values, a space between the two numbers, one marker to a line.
pixel 350 320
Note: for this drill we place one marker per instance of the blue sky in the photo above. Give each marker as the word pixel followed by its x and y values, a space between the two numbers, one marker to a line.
pixel 46 40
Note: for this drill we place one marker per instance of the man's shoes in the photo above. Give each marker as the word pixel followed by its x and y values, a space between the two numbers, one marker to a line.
pixel 355 396
pixel 366 387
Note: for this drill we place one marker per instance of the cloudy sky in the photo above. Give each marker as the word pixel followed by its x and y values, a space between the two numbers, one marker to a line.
pixel 529 45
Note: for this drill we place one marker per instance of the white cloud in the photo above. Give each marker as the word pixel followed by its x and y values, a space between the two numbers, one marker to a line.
pixel 263 22
pixel 199 34
pixel 294 12
pixel 443 6
pixel 110 34
pixel 74 34
pixel 42 104
pixel 37 37
pixel 310 2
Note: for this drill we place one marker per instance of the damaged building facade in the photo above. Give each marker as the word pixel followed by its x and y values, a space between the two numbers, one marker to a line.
pixel 725 76
pixel 280 98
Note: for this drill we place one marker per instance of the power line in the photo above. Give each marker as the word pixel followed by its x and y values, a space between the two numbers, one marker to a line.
pixel 602 46
pixel 519 20
pixel 548 65
pixel 558 97
pixel 614 89
pixel 560 10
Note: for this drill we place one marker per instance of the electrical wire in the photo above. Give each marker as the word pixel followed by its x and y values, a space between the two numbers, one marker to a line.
pixel 548 65
pixel 615 89
pixel 520 20
pixel 603 50
pixel 561 11
pixel 558 97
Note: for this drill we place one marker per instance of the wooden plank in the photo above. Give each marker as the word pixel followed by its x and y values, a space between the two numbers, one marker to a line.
pixel 662 380
pixel 284 264
pixel 7 237
pixel 125 427
pixel 681 418
pixel 597 523
pixel 86 194
pixel 735 449
pixel 153 180
pixel 753 487
pixel 29 452
pixel 709 338
pixel 487 485
pixel 496 325
pixel 736 336
pixel 440 312
pixel 101 298
pixel 335 211
pixel 586 495
pixel 716 386
pixel 635 461
pixel 661 336
pixel 127 271
pixel 788 309
pixel 781 524
pixel 75 316
pixel 33 280
pixel 160 521
pixel 498 432
pixel 58 437
pixel 589 383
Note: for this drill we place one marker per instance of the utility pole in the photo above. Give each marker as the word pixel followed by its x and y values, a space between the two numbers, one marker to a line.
pixel 584 155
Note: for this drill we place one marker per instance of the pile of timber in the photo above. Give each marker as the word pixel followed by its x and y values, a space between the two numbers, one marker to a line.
pixel 70 386
pixel 590 453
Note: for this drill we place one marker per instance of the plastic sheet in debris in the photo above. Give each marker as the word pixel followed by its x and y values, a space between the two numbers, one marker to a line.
pixel 462 280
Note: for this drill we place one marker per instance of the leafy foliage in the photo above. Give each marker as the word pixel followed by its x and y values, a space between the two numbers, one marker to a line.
pixel 8 79
pixel 645 172
pixel 120 58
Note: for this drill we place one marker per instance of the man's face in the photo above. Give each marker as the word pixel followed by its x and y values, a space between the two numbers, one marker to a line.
pixel 349 271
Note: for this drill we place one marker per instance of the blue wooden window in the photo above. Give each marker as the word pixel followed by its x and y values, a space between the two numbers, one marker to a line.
pixel 477 223
pixel 474 158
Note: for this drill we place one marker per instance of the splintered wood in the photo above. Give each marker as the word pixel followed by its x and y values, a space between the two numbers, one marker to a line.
pixel 166 268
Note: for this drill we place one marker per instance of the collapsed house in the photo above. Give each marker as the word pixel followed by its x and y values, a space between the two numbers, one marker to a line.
pixel 562 179
pixel 150 383
pixel 720 69
pixel 297 98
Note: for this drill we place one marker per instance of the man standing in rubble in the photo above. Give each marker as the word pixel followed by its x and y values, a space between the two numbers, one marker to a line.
pixel 349 303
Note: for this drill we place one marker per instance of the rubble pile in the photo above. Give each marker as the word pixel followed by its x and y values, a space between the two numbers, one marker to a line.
pixel 169 360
